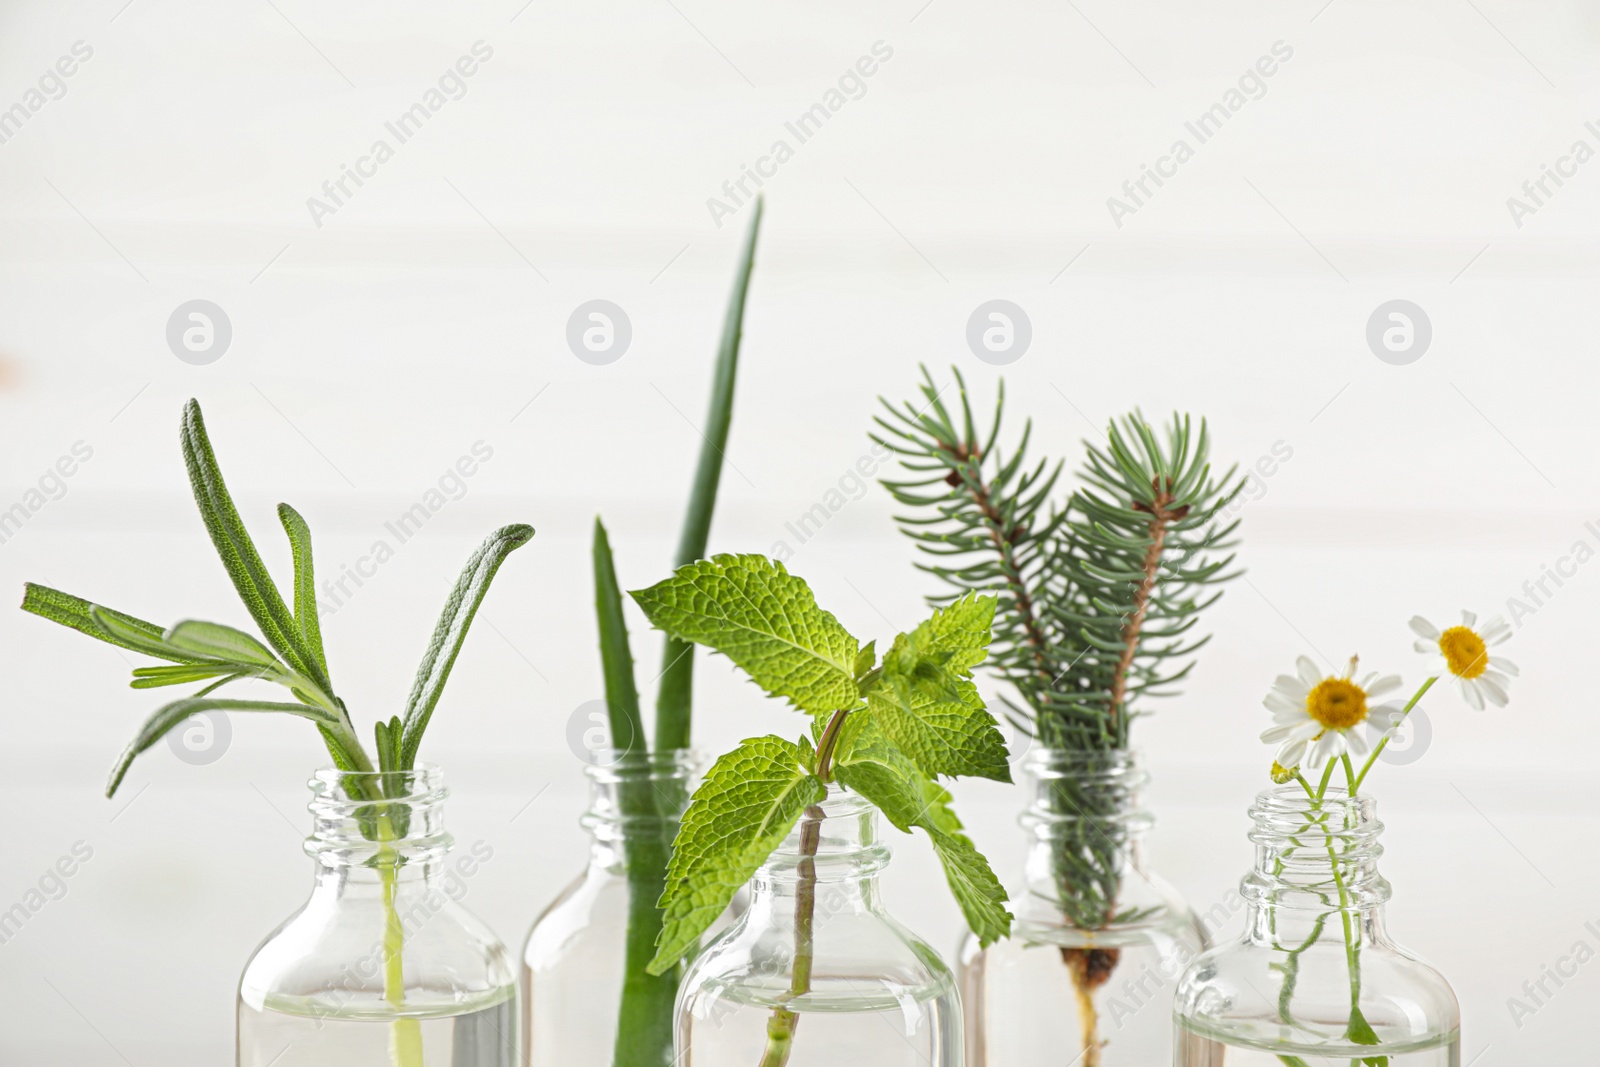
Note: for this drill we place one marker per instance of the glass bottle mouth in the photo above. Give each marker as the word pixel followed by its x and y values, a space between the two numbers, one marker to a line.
pixel 1074 786
pixel 362 818
pixel 610 765
pixel 848 846
pixel 1310 851
pixel 634 792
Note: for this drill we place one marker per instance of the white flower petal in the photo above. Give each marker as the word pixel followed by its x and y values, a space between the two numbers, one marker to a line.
pixel 1493 689
pixel 1474 697
pixel 1290 753
pixel 1495 631
pixel 1293 688
pixel 1505 666
pixel 1383 685
pixel 1425 646
pixel 1309 674
pixel 1326 747
pixel 1280 704
pixel 1423 628
pixel 1356 741
pixel 1469 619
pixel 1274 734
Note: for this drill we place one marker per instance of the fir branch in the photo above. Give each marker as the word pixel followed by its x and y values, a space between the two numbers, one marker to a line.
pixel 1096 593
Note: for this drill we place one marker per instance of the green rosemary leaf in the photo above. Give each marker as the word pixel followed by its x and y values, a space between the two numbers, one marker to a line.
pixel 451 633
pixel 305 585
pixel 215 641
pixel 750 800
pixel 677 677
pixel 100 623
pixel 238 552
pixel 170 715
pixel 155 677
pixel 616 657
pixel 385 747
pixel 757 614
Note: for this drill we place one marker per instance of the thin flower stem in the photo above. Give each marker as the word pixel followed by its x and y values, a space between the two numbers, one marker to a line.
pixel 1381 745
pixel 1322 788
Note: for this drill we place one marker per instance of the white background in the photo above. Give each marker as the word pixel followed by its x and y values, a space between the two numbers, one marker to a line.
pixel 371 351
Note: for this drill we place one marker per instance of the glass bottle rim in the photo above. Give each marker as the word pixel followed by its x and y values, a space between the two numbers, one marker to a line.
pixel 421 784
pixel 609 765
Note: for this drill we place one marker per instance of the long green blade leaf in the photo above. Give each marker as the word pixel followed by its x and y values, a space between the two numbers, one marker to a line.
pixel 622 694
pixel 170 715
pixel 451 632
pixel 677 679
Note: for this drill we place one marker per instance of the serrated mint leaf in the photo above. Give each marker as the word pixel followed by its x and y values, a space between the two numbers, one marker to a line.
pixel 866 659
pixel 977 890
pixel 880 772
pixel 750 800
pixel 764 619
pixel 926 703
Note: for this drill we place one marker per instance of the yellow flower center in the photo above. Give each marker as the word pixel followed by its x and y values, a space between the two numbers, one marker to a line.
pixel 1464 652
pixel 1337 703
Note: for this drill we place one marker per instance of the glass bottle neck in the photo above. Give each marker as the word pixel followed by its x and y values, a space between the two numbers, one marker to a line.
pixel 377 827
pixel 835 852
pixel 1313 858
pixel 634 796
pixel 1085 819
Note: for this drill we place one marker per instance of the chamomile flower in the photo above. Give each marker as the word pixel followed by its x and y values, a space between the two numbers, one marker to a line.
pixel 1317 718
pixel 1463 653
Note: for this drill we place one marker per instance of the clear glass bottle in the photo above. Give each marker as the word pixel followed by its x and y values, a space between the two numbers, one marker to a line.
pixel 1099 941
pixel 815 973
pixel 577 954
pixel 1315 980
pixel 382 965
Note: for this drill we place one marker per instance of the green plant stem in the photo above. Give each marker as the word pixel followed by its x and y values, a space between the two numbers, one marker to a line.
pixel 1377 749
pixel 781 1027
pixel 405 1036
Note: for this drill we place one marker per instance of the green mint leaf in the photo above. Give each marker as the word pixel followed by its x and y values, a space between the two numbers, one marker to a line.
pixel 215 641
pixel 451 633
pixel 750 800
pixel 871 765
pixel 170 715
pixel 975 886
pixel 764 619
pixel 866 659
pixel 305 585
pixel 926 702
pixel 100 623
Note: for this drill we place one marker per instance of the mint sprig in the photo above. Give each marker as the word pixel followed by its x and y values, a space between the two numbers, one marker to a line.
pixel 290 652
pixel 883 730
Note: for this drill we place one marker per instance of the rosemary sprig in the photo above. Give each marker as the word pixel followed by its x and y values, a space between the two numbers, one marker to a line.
pixel 292 655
